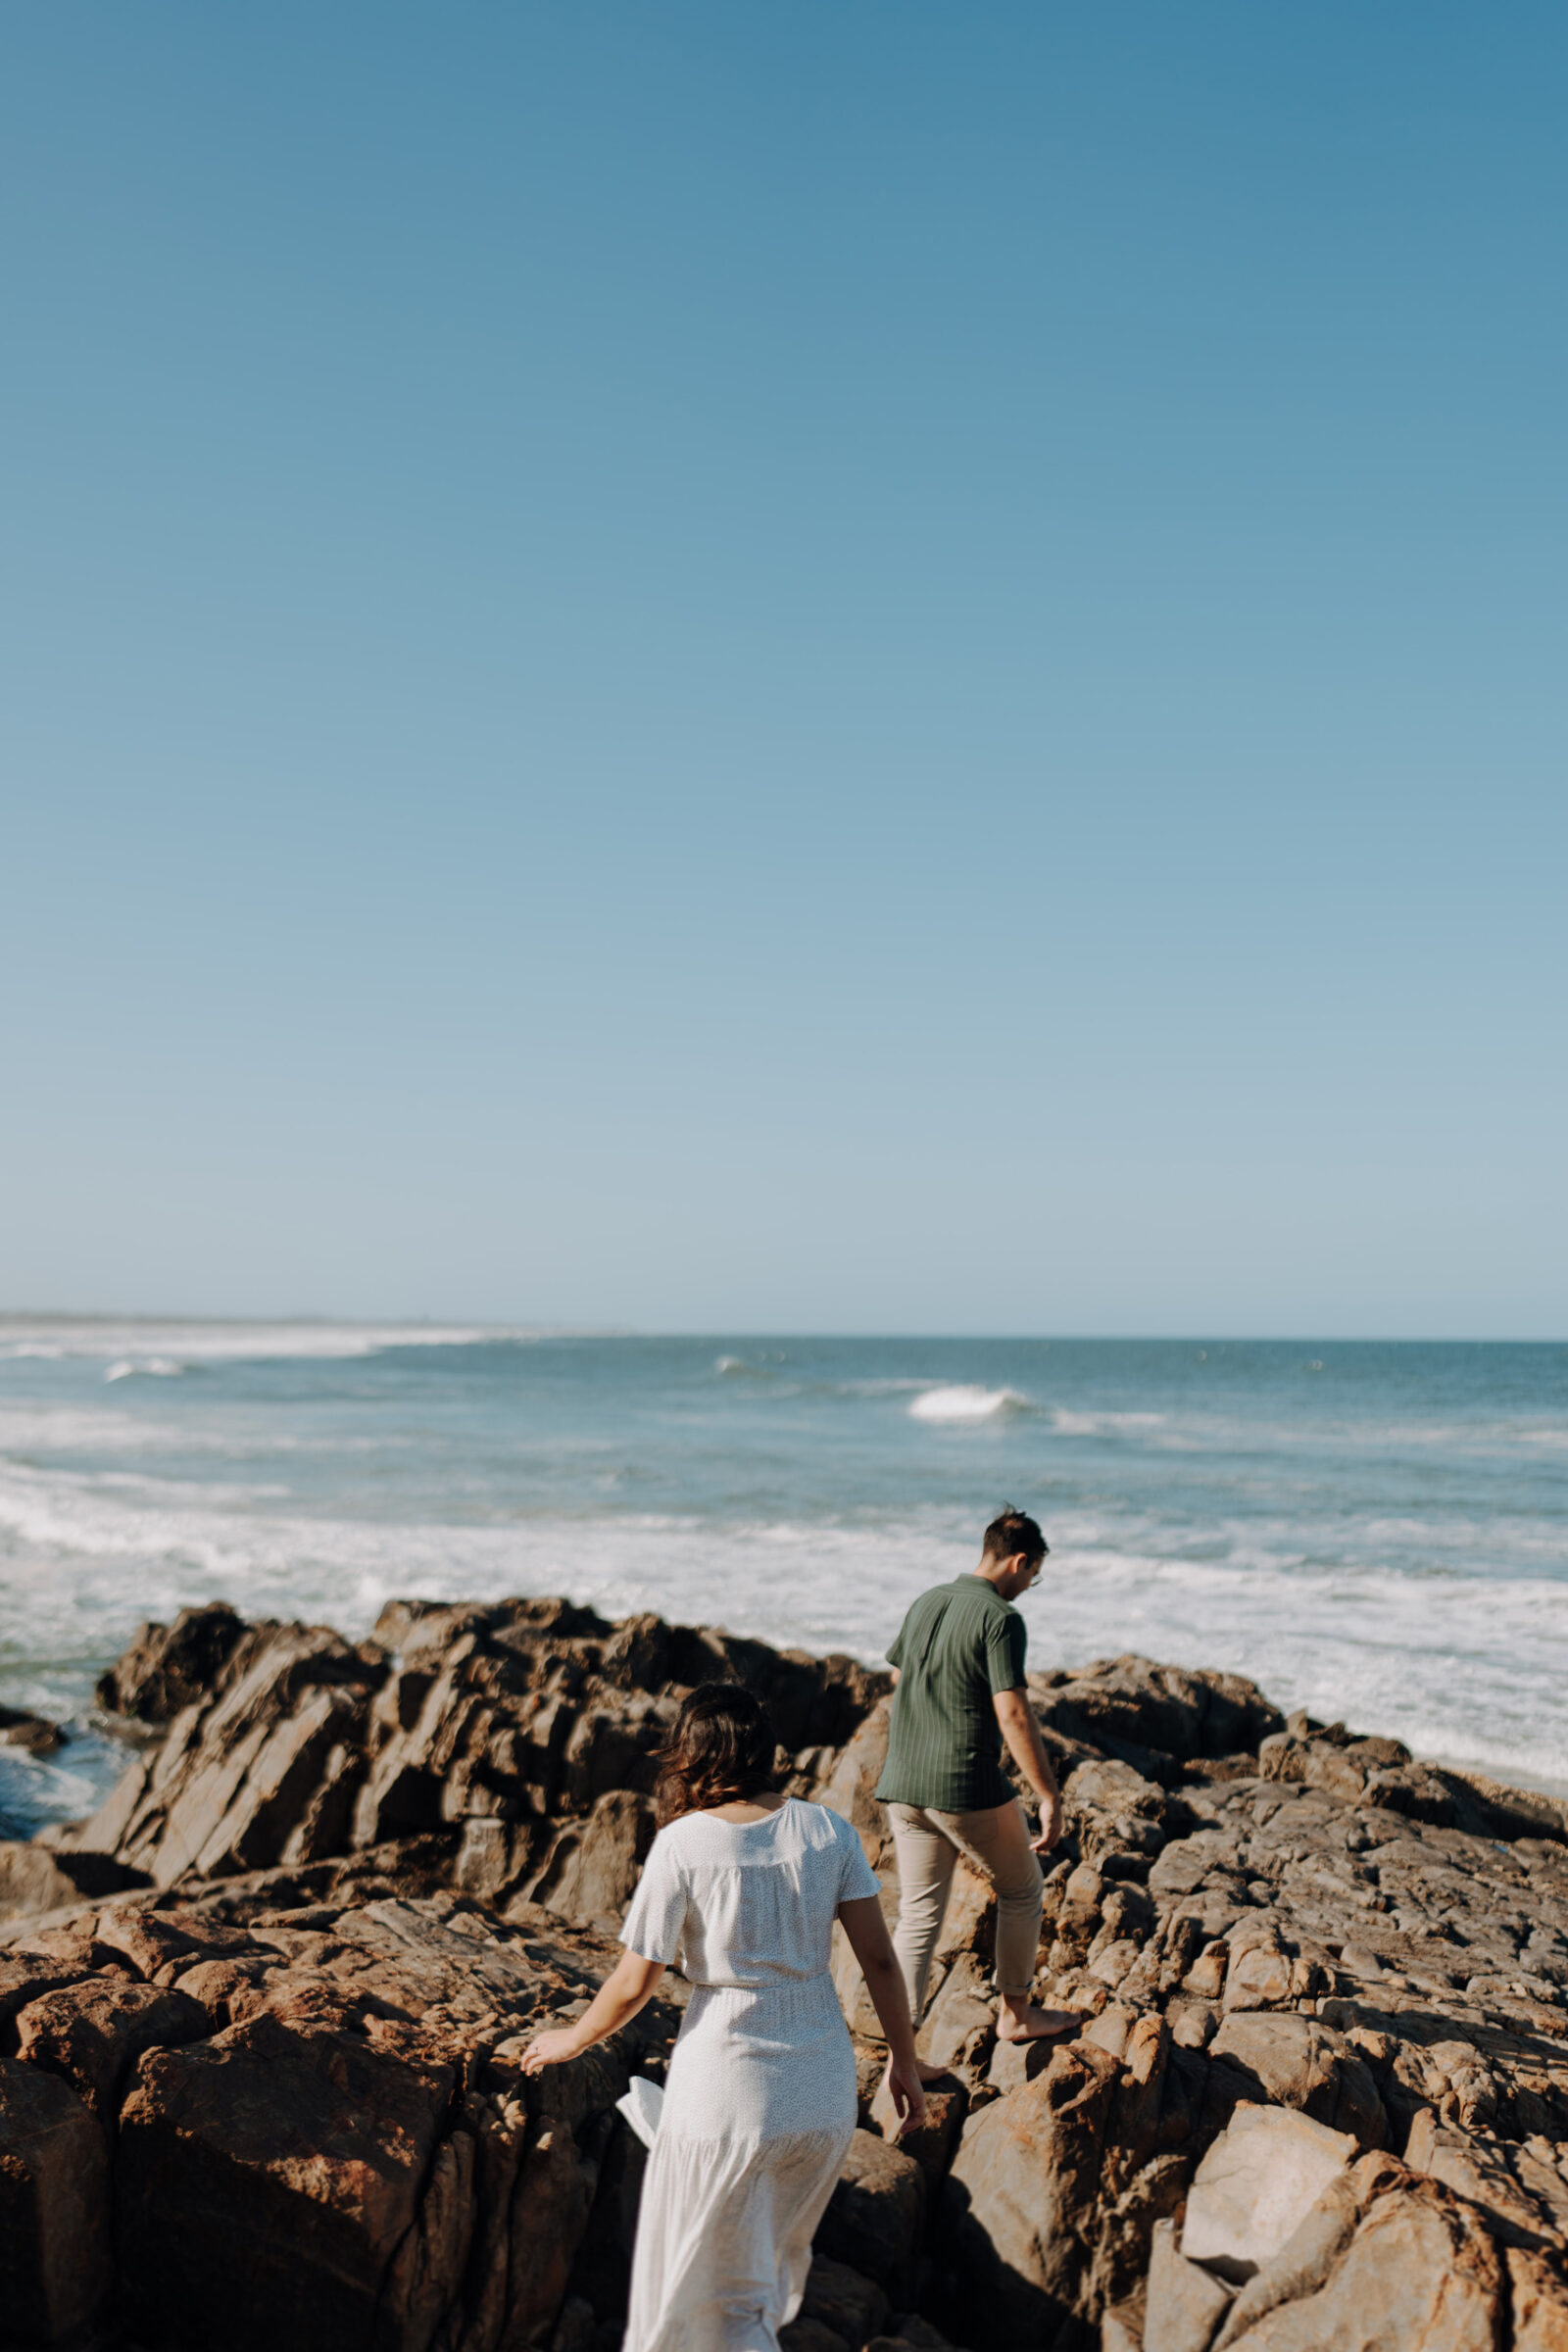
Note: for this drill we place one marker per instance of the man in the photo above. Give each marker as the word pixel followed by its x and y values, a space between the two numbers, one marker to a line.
pixel 958 1668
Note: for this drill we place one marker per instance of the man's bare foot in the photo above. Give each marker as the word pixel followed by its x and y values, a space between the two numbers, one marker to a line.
pixel 1026 2021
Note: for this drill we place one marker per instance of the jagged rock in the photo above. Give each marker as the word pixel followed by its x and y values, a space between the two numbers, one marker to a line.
pixel 168 1666
pixel 223 2235
pixel 593 1867
pixel 1539 2300
pixel 1295 2062
pixel 33 1733
pixel 1256 2186
pixel 838 2303
pixel 960 2020
pixel 26 1977
pixel 1479 2170
pixel 91 2034
pixel 1151 1716
pixel 33 1880
pixel 913 2334
pixel 1022 2194
pixel 55 2269
pixel 341 1859
pixel 1419 2272
pixel 1304 2262
pixel 932 2145
pixel 1185 2303
pixel 877 2213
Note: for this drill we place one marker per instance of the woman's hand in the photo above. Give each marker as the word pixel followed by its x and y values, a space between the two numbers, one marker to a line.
pixel 907 2093
pixel 622 1994
pixel 552 2050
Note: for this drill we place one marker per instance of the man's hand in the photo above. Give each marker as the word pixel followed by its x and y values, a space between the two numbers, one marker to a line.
pixel 1050 1825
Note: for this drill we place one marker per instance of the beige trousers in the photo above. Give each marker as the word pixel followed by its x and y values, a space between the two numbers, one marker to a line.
pixel 996 1844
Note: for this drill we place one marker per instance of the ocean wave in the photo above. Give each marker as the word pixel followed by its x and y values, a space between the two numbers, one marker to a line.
pixel 966 1401
pixel 1465 1668
pixel 1069 1424
pixel 150 1367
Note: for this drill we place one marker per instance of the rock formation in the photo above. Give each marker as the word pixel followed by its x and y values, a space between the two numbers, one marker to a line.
pixel 261 2018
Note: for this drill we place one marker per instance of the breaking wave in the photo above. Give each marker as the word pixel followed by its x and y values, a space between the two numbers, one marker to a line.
pixel 967 1402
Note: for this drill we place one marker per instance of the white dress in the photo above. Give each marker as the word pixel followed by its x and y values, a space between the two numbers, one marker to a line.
pixel 760 2102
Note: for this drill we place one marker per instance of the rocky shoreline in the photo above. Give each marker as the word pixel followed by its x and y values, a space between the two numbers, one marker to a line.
pixel 261 2016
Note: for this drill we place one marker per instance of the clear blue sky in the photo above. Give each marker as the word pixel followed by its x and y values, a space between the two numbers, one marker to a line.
pixel 841 666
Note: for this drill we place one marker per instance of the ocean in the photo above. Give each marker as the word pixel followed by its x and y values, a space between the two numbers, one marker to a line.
pixel 1378 1532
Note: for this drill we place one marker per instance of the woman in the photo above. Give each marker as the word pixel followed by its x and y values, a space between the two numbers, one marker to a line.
pixel 743 1886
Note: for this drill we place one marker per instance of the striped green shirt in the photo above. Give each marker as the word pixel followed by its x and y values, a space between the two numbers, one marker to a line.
pixel 959 1645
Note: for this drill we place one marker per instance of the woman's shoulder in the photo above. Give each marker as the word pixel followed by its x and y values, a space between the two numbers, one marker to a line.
pixel 821 1825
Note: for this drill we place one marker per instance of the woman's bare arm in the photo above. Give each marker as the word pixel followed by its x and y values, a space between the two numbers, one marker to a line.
pixel 628 1988
pixel 868 1930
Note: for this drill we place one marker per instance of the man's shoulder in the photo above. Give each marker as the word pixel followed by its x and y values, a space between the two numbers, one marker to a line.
pixel 963 1609
pixel 980 1594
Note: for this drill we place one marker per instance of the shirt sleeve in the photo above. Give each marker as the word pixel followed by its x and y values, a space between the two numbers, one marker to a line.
pixel 896 1648
pixel 1006 1640
pixel 856 1877
pixel 658 1916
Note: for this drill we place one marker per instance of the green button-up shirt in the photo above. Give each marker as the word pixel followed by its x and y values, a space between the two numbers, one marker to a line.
pixel 959 1645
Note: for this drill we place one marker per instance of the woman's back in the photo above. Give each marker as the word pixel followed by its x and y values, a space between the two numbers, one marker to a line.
pixel 748 1904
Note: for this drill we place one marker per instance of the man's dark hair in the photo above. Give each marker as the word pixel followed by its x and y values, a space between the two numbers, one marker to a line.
pixel 1013 1530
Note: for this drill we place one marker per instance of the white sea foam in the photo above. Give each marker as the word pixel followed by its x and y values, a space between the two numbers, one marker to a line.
pixel 1463 1668
pixel 133 1344
pixel 147 1367
pixel 965 1402
pixel 1068 1424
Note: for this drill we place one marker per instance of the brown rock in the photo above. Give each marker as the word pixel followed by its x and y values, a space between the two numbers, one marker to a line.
pixel 91 2034
pixel 263 2182
pixel 849 1790
pixel 877 2213
pixel 1185 2303
pixel 33 1733
pixel 1256 2186
pixel 166 1667
pixel 152 1942
pixel 27 1980
pixel 1419 2273
pixel 1540 2303
pixel 962 2016
pixel 1123 2246
pixel 1304 2262
pixel 846 2303
pixel 33 1880
pixel 593 1867
pixel 1294 2061
pixel 932 2145
pixel 549 2215
pixel 55 2269
pixel 1477 2170
pixel 1023 2191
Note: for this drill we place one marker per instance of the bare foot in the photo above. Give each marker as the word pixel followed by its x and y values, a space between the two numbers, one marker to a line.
pixel 1027 2022
pixel 932 2073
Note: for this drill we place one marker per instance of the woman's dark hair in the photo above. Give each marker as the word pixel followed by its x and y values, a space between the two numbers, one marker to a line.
pixel 722 1748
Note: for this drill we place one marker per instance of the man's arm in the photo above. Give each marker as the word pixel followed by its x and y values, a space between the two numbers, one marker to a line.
pixel 1021 1732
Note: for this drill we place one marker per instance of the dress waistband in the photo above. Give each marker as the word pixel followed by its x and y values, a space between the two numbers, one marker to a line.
pixel 774 1988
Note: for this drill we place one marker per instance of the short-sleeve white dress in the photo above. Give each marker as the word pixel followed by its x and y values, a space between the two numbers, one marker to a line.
pixel 760 2103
